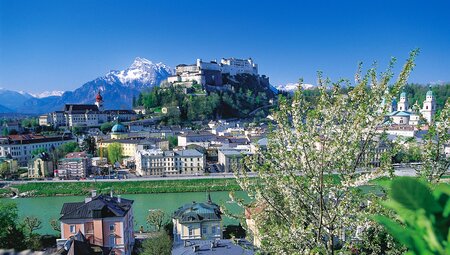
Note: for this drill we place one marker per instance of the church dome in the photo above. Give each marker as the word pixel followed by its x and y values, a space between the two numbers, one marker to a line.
pixel 403 94
pixel 429 93
pixel 119 128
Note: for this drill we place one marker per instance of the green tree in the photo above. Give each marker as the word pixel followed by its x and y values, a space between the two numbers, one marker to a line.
pixel 31 224
pixel 307 176
pixel 155 219
pixel 159 244
pixel 424 216
pixel 173 141
pixel 11 233
pixel 89 145
pixel 106 127
pixel 38 151
pixel 4 169
pixel 114 153
pixel 5 132
pixel 77 130
pixel 55 224
pixel 70 147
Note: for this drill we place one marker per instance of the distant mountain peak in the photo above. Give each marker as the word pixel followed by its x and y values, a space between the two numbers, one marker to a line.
pixel 290 87
pixel 143 71
pixel 48 94
pixel 118 89
pixel 140 62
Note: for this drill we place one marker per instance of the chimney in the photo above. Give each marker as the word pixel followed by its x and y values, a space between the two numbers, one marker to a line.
pixel 119 199
pixel 93 193
pixel 111 193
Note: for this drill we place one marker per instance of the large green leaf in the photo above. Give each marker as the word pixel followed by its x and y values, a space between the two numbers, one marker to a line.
pixel 402 234
pixel 413 195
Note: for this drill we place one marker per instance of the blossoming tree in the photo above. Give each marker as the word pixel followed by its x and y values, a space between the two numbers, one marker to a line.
pixel 315 156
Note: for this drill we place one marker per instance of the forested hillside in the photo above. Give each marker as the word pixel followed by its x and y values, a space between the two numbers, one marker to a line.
pixel 244 94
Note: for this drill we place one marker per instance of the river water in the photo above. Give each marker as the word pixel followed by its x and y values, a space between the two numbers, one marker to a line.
pixel 47 208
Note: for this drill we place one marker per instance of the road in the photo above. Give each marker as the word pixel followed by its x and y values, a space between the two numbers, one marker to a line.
pixel 398 171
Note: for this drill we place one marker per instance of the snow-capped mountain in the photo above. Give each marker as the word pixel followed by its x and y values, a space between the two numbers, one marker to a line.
pixel 118 89
pixel 291 87
pixel 48 93
pixel 141 72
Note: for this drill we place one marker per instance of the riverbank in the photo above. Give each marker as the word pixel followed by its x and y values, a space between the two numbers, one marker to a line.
pixel 44 189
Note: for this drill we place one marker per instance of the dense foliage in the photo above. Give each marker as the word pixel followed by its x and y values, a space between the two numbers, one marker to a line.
pixel 15 234
pixel 115 153
pixel 414 92
pixel 157 244
pixel 237 102
pixel 424 216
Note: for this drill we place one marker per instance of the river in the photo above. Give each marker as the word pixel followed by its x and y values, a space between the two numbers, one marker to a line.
pixel 47 208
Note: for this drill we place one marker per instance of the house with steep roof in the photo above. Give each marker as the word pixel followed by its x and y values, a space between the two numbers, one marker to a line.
pixel 197 221
pixel 105 221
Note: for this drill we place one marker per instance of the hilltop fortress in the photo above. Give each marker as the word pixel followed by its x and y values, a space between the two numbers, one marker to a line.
pixel 211 73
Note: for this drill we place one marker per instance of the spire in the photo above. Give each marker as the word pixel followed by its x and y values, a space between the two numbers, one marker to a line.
pixel 99 97
pixel 209 198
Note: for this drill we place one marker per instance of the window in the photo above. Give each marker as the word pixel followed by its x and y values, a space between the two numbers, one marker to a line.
pixel 191 231
pixel 213 230
pixel 112 240
pixel 111 227
pixel 204 230
pixel 72 229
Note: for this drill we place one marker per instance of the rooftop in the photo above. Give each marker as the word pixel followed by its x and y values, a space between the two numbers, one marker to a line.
pixel 101 206
pixel 189 153
pixel 197 212
pixel 224 246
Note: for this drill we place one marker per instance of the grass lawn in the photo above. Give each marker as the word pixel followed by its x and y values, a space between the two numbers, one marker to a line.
pixel 128 187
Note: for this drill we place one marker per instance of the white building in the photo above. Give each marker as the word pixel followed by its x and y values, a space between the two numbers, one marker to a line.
pixel 160 163
pixel 85 115
pixel 203 139
pixel 210 73
pixel 234 66
pixel 20 147
pixel 230 160
pixel 403 114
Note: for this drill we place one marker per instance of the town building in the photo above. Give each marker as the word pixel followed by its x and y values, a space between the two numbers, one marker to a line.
pixel 40 166
pixel 11 126
pixel 21 147
pixel 210 73
pixel 105 221
pixel 160 163
pixel 230 160
pixel 85 115
pixel 402 113
pixel 139 110
pixel 11 163
pixel 197 229
pixel 133 144
pixel 78 244
pixel 74 165
pixel 196 221
pixel 203 139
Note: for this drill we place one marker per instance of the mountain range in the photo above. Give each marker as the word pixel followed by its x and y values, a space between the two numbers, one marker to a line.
pixel 117 87
pixel 291 87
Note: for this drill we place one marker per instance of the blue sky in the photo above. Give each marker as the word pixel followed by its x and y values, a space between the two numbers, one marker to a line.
pixel 59 45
